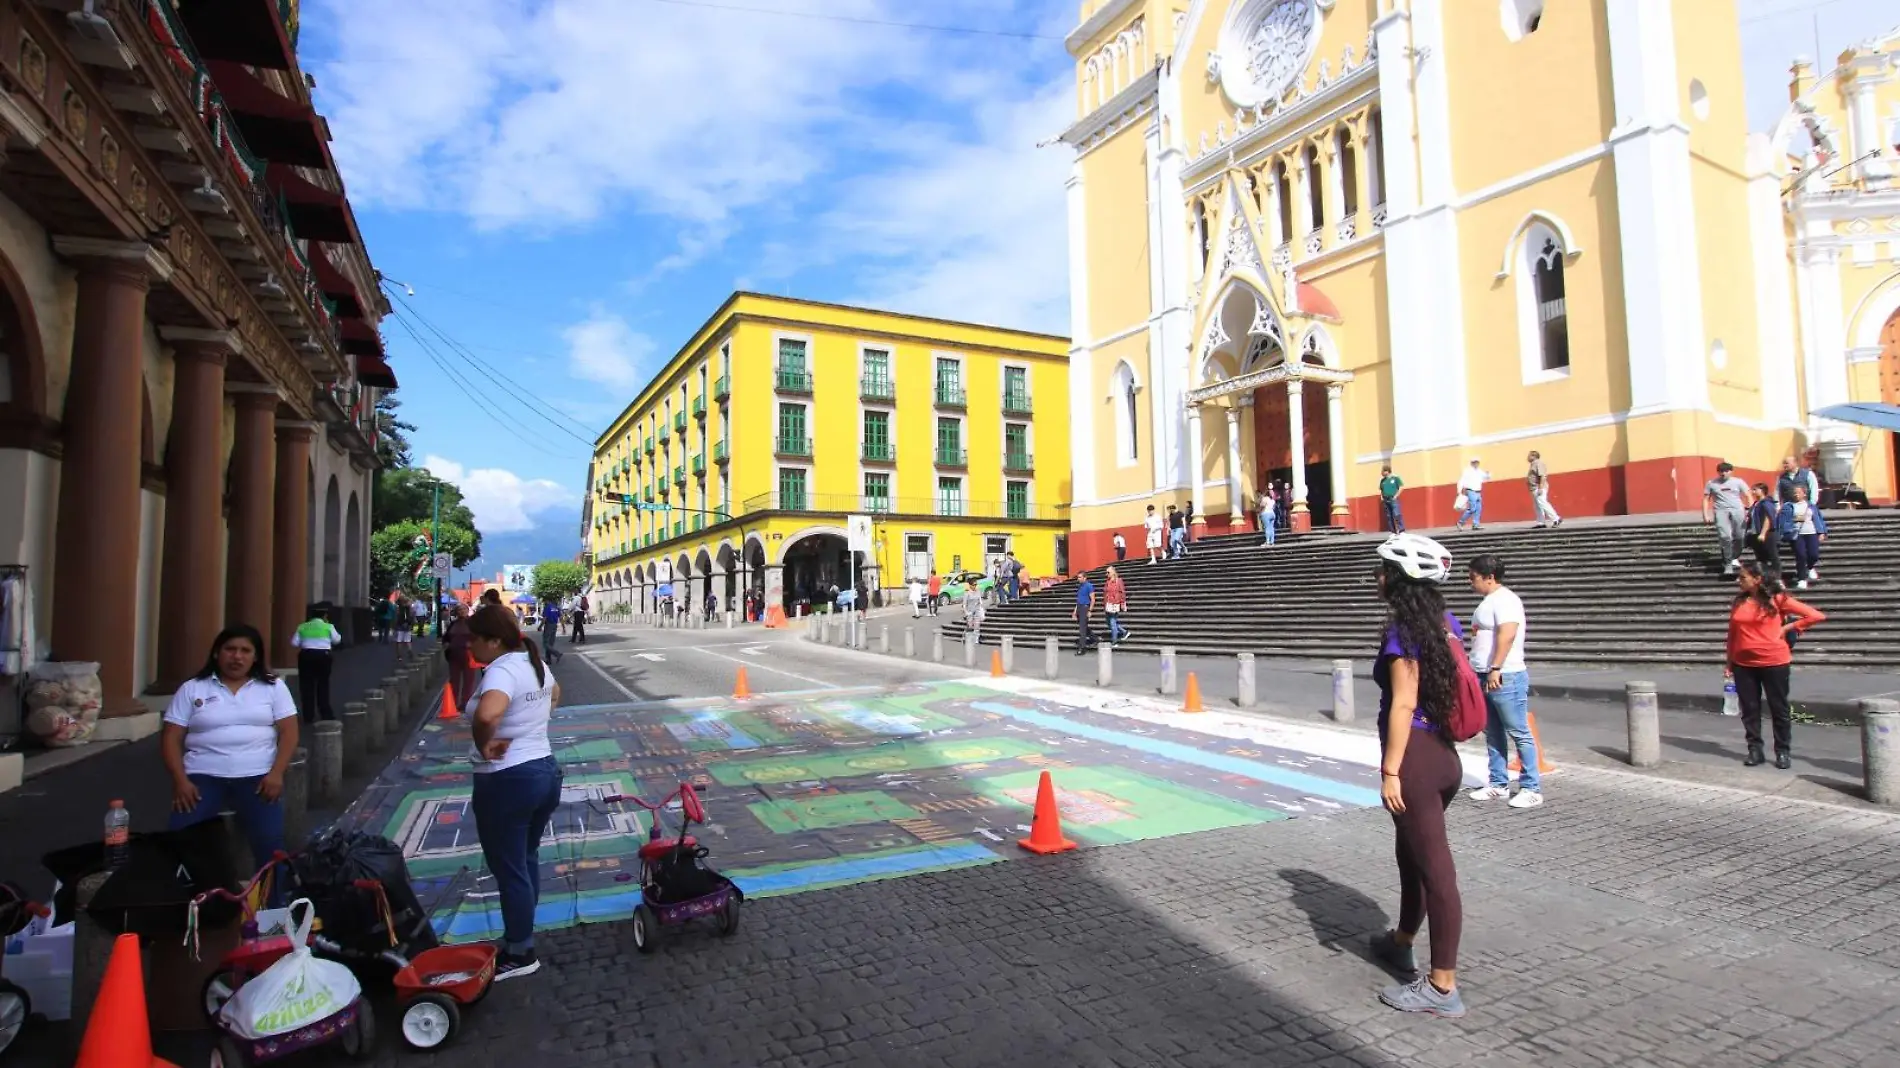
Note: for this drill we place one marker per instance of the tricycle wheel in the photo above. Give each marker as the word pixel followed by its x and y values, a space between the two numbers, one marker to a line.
pixel 729 916
pixel 359 1040
pixel 646 929
pixel 15 1007
pixel 430 1021
pixel 218 990
pixel 230 1053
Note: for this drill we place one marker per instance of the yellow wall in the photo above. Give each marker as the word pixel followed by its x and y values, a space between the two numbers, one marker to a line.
pixel 1114 176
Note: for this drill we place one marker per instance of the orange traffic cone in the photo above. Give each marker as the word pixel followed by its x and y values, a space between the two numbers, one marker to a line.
pixel 996 663
pixel 1191 699
pixel 448 704
pixel 1045 831
pixel 775 616
pixel 119 1034
pixel 1544 766
pixel 740 688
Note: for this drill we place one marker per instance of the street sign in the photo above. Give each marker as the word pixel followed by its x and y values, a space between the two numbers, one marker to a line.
pixel 644 507
pixel 440 565
pixel 858 533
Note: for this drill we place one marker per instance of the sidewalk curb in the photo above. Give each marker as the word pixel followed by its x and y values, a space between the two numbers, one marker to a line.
pixel 1827 711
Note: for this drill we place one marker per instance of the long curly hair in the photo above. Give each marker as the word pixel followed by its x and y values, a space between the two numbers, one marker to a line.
pixel 1415 611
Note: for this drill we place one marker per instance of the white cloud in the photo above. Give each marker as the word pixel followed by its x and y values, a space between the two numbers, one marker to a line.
pixel 603 348
pixel 503 502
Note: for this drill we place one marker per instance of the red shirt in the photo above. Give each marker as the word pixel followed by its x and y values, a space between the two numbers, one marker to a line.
pixel 1115 593
pixel 936 585
pixel 1756 636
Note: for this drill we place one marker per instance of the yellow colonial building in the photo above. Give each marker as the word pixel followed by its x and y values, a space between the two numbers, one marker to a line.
pixel 779 418
pixel 1310 238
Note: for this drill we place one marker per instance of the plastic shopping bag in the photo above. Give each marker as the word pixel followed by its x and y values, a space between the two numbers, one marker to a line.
pixel 1459 502
pixel 297 991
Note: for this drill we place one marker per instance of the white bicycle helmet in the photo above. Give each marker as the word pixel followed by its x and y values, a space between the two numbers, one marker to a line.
pixel 1418 556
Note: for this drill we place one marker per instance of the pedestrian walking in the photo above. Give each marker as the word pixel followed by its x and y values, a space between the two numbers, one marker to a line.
pixel 1470 501
pixel 580 620
pixel 462 672
pixel 516 782
pixel 1152 526
pixel 1015 568
pixel 1266 508
pixel 1497 655
pixel 918 596
pixel 314 638
pixel 1723 507
pixel 1084 607
pixel 1418 677
pixel 973 611
pixel 934 590
pixel 1804 525
pixel 1177 533
pixel 1389 511
pixel 1114 606
pixel 385 611
pixel 1762 626
pixel 227 741
pixel 1538 479
pixel 419 612
pixel 403 634
pixel 550 629
pixel 1121 547
pixel 1764 529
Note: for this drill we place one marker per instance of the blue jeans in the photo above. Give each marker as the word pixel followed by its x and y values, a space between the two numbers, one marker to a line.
pixel 261 821
pixel 1394 516
pixel 1015 588
pixel 1474 508
pixel 1116 632
pixel 1177 543
pixel 512 809
pixel 1266 529
pixel 1509 719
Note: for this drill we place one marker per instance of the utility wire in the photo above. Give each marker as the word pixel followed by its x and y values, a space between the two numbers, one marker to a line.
pixel 556 419
pixel 860 20
pixel 473 394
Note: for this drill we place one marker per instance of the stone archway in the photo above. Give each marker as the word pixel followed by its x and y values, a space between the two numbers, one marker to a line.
pixel 332 542
pixel 702 568
pixel 1274 451
pixel 355 584
pixel 813 562
pixel 22 366
pixel 727 563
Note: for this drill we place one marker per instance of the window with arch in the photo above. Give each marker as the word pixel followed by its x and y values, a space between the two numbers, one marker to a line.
pixel 1375 158
pixel 1127 436
pixel 1543 303
pixel 1283 192
pixel 1200 235
pixel 1348 174
pixel 1315 190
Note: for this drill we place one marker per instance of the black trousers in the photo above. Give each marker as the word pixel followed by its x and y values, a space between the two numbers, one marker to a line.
pixel 1768 554
pixel 1753 685
pixel 313 684
pixel 1429 779
pixel 1084 637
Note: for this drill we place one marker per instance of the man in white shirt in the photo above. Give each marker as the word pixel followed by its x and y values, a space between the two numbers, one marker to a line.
pixel 1497 655
pixel 1471 487
pixel 1152 526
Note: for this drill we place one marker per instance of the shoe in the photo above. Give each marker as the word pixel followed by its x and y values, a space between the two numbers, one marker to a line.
pixel 1421 996
pixel 514 966
pixel 1490 793
pixel 1802 585
pixel 1783 761
pixel 1814 573
pixel 1526 799
pixel 1557 524
pixel 1387 951
pixel 1754 757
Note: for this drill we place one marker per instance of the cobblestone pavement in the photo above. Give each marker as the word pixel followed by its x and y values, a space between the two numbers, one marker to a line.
pixel 1628 922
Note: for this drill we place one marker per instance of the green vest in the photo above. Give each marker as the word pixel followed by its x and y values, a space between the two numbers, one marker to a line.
pixel 314 628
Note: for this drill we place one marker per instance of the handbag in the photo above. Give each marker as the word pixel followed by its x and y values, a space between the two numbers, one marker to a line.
pixel 1459 502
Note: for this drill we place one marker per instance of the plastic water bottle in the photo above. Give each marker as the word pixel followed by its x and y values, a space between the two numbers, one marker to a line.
pixel 118 836
pixel 1731 701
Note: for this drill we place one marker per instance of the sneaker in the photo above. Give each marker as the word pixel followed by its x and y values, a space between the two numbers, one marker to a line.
pixel 515 965
pixel 1802 585
pixel 1421 996
pixel 1387 951
pixel 1814 573
pixel 1526 799
pixel 1490 793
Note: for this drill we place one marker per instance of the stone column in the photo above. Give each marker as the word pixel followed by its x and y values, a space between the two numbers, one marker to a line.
pixel 1296 434
pixel 290 560
pixel 193 502
pixel 247 568
pixel 1337 456
pixel 1236 506
pixel 1197 485
pixel 96 569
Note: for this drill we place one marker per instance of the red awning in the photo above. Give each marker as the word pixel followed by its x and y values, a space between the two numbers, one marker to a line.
pixel 337 287
pixel 275 126
pixel 372 371
pixel 240 31
pixel 1315 303
pixel 316 214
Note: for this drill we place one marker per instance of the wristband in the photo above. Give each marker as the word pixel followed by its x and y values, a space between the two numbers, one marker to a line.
pixel 1388 774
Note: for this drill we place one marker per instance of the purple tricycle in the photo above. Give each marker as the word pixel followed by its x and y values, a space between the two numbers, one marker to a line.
pixel 676 886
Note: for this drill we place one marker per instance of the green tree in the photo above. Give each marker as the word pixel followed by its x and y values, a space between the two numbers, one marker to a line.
pixel 404 495
pixel 557 580
pixel 392 432
pixel 392 550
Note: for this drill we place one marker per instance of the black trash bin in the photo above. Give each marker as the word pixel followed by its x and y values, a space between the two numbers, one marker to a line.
pixel 151 894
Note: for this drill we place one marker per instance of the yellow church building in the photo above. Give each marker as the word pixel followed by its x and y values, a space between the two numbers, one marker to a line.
pixel 1313 238
pixel 740 464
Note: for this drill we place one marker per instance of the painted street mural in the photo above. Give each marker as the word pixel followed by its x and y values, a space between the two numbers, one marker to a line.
pixel 828 788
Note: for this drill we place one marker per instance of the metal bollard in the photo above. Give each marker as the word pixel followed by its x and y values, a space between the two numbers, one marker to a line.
pixel 296 798
pixel 355 736
pixel 1105 664
pixel 728 619
pixel 1645 724
pixel 936 647
pixel 1167 671
pixel 1246 693
pixel 1342 691
pixel 392 695
pixel 884 639
pixel 1880 749
pixel 1051 666
pixel 1009 654
pixel 970 643
pixel 377 728
pixel 910 644
pixel 326 761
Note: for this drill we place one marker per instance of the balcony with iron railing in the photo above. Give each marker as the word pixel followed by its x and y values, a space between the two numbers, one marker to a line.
pixel 877 388
pixel 720 452
pixel 649 445
pixel 792 380
pixel 699 465
pixel 951 395
pixel 1018 463
pixel 845 503
pixel 679 528
pixel 952 457
pixel 699 522
pixel 722 388
pixel 699 407
pixel 880 452
pixel 792 445
pixel 679 422
pixel 679 474
pixel 1016 402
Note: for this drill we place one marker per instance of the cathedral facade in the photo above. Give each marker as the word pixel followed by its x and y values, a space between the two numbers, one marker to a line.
pixel 1313 239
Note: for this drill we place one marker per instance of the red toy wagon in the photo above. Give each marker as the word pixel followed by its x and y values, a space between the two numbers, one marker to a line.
pixel 434 986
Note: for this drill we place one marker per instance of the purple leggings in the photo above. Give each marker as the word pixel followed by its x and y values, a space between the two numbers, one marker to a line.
pixel 1429 778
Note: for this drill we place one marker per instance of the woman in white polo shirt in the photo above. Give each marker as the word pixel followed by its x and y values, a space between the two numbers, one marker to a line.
pixel 517 782
pixel 228 737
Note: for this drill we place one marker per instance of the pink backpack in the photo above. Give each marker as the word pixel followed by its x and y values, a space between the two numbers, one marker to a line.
pixel 1465 719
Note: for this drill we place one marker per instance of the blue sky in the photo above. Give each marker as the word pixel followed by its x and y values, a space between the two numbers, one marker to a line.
pixel 571 186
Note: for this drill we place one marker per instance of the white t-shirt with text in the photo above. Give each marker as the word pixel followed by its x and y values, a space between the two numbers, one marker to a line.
pixel 530 704
pixel 230 735
pixel 1499 607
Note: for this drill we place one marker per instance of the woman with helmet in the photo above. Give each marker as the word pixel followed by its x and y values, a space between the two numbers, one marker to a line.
pixel 1419 772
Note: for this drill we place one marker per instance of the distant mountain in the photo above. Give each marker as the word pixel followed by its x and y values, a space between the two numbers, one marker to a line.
pixel 553 537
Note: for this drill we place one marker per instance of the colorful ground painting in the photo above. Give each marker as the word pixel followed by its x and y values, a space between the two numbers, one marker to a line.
pixel 806 791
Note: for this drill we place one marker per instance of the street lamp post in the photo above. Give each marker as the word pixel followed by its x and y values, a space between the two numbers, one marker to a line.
pixel 435 546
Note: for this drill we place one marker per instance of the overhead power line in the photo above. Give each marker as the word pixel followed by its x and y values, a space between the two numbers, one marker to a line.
pixel 472 393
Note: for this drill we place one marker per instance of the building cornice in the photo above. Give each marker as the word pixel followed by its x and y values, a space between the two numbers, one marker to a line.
pixel 1122 109
pixel 1092 27
pixel 1273 129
